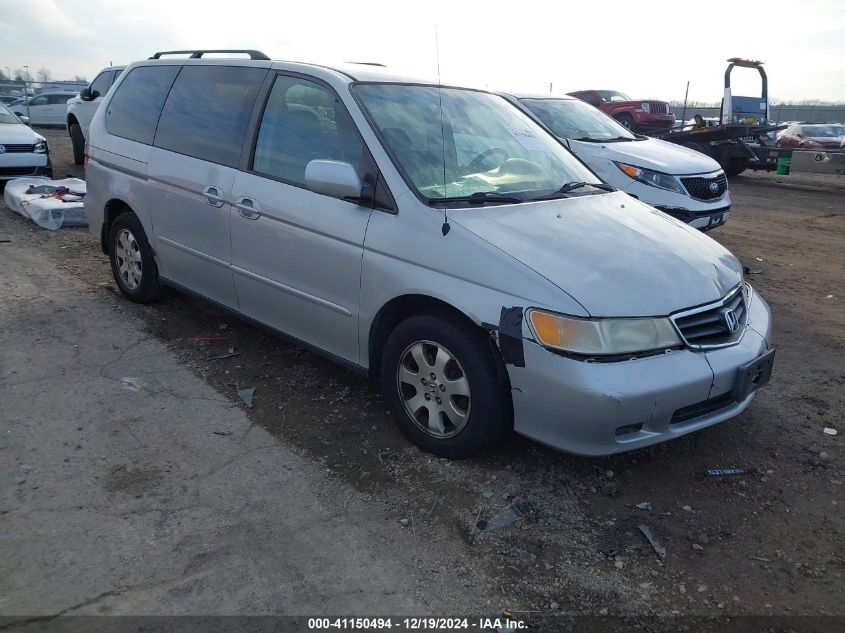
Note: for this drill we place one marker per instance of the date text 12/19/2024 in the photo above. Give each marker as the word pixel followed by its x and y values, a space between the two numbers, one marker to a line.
pixel 417 624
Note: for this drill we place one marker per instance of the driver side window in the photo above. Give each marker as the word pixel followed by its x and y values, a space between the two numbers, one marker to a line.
pixel 38 101
pixel 101 83
pixel 590 98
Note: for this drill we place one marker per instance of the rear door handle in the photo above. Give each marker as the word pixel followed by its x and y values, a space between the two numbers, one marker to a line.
pixel 248 208
pixel 212 196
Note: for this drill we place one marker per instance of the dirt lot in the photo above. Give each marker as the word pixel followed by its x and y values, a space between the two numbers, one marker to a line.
pixel 766 543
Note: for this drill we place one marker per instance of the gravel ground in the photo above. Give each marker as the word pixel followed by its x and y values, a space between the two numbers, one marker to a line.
pixel 765 543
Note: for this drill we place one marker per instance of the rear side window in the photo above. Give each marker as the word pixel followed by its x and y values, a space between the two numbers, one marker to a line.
pixel 305 121
pixel 135 107
pixel 208 110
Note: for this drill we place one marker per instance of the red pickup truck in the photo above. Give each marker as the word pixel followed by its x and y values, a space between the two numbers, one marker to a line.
pixel 645 116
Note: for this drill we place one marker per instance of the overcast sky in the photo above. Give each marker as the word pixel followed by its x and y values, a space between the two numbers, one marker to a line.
pixel 647 49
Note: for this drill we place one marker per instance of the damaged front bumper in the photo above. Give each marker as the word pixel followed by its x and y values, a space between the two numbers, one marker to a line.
pixel 601 408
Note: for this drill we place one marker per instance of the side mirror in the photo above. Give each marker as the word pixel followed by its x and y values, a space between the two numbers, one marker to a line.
pixel 86 94
pixel 337 179
pixel 24 119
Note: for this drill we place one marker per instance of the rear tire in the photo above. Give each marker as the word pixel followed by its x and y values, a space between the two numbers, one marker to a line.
pixel 78 142
pixel 443 387
pixel 132 263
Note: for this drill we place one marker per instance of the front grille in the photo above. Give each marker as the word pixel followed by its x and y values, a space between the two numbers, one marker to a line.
pixel 700 409
pixel 710 325
pixel 706 188
pixel 18 148
pixel 17 171
pixel 658 107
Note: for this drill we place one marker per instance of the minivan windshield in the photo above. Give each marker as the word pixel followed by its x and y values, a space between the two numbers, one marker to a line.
pixel 573 119
pixel 6 116
pixel 480 146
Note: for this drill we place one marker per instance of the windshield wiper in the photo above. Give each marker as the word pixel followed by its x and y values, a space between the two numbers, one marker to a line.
pixel 572 186
pixel 479 197
pixel 617 139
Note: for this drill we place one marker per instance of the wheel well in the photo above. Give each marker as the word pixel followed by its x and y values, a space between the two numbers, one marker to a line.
pixel 70 121
pixel 397 310
pixel 113 209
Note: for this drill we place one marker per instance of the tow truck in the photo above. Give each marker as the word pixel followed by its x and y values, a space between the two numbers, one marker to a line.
pixel 741 139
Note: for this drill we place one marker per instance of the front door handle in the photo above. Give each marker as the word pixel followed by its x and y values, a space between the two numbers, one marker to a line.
pixel 248 208
pixel 212 196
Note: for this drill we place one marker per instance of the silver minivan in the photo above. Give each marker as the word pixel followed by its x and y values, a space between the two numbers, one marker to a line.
pixel 435 237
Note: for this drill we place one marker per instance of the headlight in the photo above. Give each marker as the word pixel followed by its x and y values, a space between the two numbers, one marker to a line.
pixel 602 336
pixel 653 178
pixel 645 107
pixel 40 147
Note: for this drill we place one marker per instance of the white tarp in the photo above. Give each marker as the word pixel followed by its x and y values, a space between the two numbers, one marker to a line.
pixel 44 205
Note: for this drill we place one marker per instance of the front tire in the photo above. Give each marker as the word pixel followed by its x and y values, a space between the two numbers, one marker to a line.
pixel 628 121
pixel 132 263
pixel 443 387
pixel 78 142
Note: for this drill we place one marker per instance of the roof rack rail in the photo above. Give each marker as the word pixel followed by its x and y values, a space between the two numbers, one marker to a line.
pixel 199 53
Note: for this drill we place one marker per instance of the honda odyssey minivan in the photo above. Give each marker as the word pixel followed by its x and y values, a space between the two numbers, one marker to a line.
pixel 435 237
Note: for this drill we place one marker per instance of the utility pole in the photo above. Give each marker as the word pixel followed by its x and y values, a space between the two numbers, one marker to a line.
pixel 26 91
pixel 684 115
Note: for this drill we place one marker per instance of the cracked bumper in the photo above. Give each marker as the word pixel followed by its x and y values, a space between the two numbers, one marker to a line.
pixel 605 408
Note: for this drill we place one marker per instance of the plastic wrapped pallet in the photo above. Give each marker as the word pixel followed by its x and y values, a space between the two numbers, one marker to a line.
pixel 44 208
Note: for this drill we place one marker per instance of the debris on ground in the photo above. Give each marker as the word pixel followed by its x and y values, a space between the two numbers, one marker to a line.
pixel 653 539
pixel 608 549
pixel 404 522
pixel 645 505
pixel 751 271
pixel 759 259
pixel 726 472
pixel 829 297
pixel 246 396
pixel 228 354
pixel 506 517
pixel 464 531
pixel 51 204
pixel 830 431
pixel 222 433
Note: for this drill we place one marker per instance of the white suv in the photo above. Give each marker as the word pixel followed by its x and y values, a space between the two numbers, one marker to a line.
pixel 81 109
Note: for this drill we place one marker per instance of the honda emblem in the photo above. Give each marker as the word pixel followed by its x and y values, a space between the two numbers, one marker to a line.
pixel 731 321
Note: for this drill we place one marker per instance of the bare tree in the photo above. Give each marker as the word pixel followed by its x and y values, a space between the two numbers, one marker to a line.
pixel 44 75
pixel 19 74
pixel 3 76
pixel 80 78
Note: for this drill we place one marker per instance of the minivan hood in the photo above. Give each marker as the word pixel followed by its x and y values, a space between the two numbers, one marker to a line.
pixel 613 254
pixel 17 134
pixel 651 153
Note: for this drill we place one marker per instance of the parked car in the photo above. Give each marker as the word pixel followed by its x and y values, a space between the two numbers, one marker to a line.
pixel 45 108
pixel 638 115
pixel 22 151
pixel 81 108
pixel 812 136
pixel 684 183
pixel 435 237
pixel 8 99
